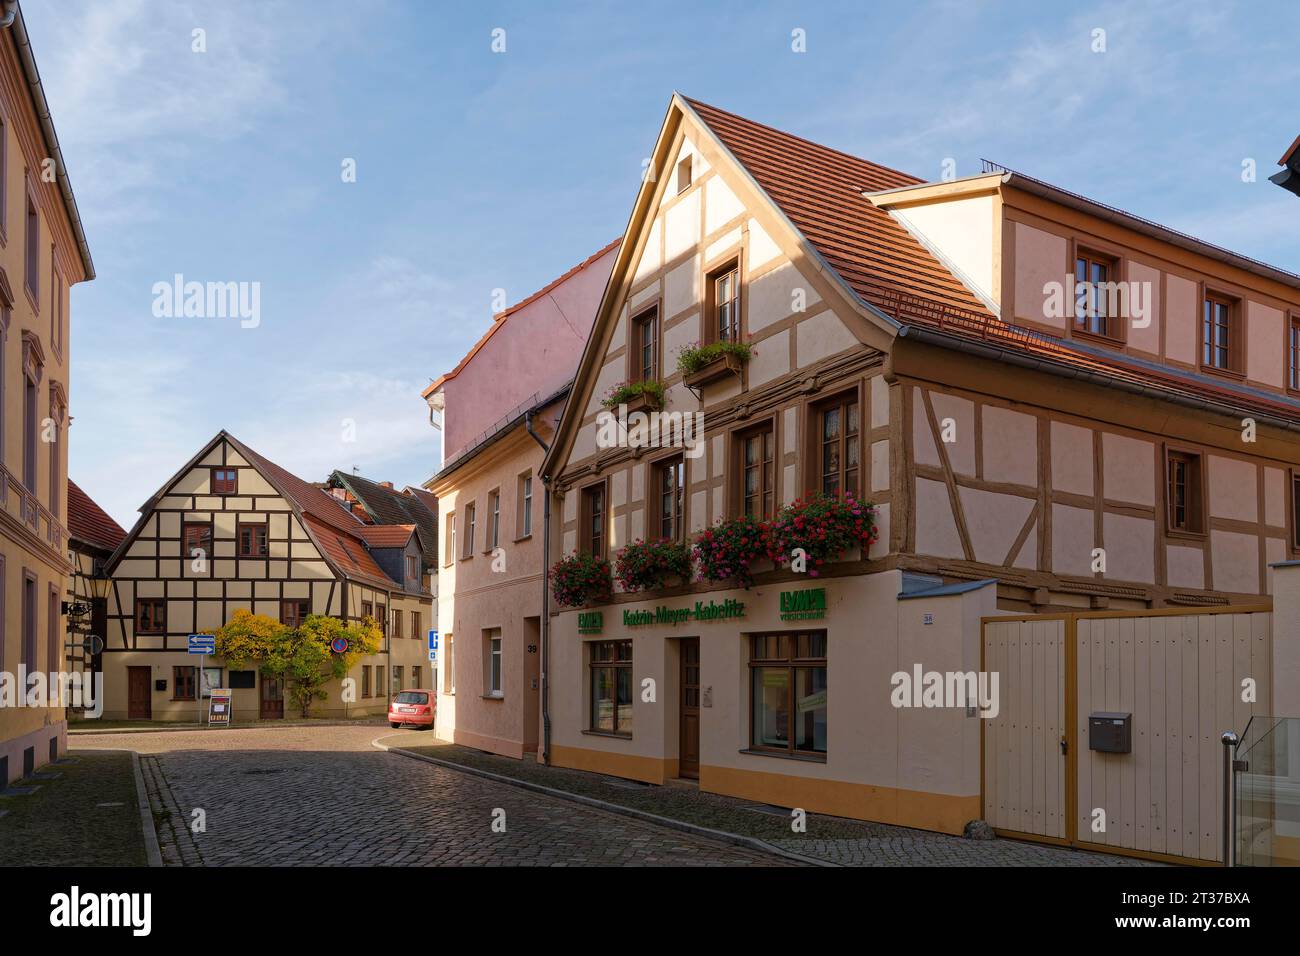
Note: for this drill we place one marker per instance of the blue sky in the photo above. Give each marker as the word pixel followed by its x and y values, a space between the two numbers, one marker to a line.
pixel 479 170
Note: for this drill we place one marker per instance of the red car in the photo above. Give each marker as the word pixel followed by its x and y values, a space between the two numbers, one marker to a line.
pixel 412 707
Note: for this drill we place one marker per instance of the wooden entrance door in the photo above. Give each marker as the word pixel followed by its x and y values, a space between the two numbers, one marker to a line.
pixel 272 699
pixel 139 697
pixel 688 762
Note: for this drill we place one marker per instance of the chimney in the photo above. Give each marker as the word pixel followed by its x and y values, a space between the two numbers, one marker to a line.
pixel 385 484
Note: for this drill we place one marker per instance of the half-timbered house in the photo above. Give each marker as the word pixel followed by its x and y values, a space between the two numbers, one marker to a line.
pixel 233 530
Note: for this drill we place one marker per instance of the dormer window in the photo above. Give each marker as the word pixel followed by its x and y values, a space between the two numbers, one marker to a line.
pixel 1096 310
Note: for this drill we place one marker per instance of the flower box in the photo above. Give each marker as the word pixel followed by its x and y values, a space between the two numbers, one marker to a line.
pixel 728 363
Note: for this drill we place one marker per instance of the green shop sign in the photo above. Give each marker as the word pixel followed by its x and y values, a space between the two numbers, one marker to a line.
pixel 713 611
pixel 808 604
pixel 590 622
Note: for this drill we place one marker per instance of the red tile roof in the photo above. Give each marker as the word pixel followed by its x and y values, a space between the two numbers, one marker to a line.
pixel 89 522
pixel 500 318
pixel 820 190
pixel 387 535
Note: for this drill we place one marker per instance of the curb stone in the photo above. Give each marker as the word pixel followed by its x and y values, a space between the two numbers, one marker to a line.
pixel 752 843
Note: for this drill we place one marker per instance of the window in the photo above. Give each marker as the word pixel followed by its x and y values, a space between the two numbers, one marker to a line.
pixel 646 344
pixel 1293 352
pixel 526 505
pixel 224 481
pixel 837 438
pixel 197 538
pixel 381 618
pixel 29 434
pixel 54 639
pixel 252 540
pixel 684 175
pixel 380 681
pixel 365 680
pixel 450 667
pixel 494 520
pixel 670 498
pixel 492 662
pixel 1092 302
pixel 1295 510
pixel 29 622
pixel 470 521
pixel 788 692
pixel 56 484
pixel 450 556
pixel 592 532
pixel 725 298
pixel 611 687
pixel 242 680
pixel 1186 514
pixel 1220 333
pixel 417 675
pixel 33 263
pixel 757 473
pixel 294 611
pixel 417 625
pixel 183 683
pixel 413 568
pixel 397 679
pixel 367 610
pixel 4 178
pixel 56 307
pixel 150 616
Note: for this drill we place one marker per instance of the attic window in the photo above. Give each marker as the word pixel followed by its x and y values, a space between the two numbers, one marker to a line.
pixel 684 175
pixel 224 481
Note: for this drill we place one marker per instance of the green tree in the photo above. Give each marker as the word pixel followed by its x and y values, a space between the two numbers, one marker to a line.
pixel 302 657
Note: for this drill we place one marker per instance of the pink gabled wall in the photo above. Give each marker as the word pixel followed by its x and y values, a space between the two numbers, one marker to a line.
pixel 534 351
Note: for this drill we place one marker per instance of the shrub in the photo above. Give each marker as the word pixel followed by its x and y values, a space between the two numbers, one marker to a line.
pixel 726 550
pixel 647 565
pixel 694 357
pixel 823 526
pixel 625 392
pixel 579 579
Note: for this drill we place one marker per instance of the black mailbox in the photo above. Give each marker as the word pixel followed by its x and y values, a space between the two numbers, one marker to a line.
pixel 1110 732
pixel 160 684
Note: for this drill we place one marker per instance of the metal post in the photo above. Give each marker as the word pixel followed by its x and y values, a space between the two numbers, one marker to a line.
pixel 1229 741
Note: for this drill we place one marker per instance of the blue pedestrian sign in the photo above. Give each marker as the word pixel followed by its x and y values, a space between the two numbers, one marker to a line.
pixel 203 644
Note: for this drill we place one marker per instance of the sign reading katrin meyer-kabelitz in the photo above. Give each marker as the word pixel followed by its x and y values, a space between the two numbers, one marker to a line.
pixel 700 611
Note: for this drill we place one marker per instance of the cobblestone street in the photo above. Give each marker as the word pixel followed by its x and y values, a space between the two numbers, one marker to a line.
pixel 322 796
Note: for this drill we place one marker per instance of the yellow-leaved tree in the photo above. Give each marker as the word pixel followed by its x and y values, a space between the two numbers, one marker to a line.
pixel 303 657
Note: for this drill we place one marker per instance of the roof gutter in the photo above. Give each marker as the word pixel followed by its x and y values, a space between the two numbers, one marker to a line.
pixel 1061 369
pixel 12 16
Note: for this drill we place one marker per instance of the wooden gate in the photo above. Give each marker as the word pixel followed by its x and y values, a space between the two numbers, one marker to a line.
pixel 1184 676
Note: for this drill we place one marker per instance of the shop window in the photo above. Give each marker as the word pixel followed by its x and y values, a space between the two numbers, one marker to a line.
pixel 788 693
pixel 611 687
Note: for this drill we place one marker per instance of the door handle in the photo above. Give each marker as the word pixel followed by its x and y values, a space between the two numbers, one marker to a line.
pixel 1065 745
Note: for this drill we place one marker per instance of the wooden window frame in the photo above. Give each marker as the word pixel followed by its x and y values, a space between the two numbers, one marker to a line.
pixel 449 545
pixel 239 539
pixel 1236 330
pixel 1197 502
pixel 156 627
pixel 684 182
pixel 648 316
pixel 471 526
pixel 792 662
pixel 193 682
pixel 812 444
pixel 413 567
pixel 212 481
pixel 1293 509
pixel 729 262
pixel 185 547
pixel 367 610
pixel 294 620
pixel 32 245
pixel 585 519
pixel 738 438
pixel 1117 271
pixel 614 664
pixel 655 504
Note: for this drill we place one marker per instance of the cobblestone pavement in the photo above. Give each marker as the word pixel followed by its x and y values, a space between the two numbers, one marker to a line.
pixel 831 839
pixel 322 796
